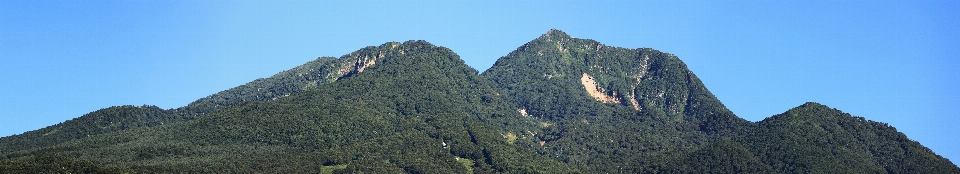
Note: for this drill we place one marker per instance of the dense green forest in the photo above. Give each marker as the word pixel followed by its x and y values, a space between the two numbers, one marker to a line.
pixel 112 119
pixel 555 105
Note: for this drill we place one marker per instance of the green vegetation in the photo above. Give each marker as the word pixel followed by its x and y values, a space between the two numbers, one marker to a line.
pixel 53 163
pixel 102 121
pixel 719 157
pixel 467 163
pixel 414 107
pixel 674 113
pixel 814 138
pixel 330 169
pixel 117 118
pixel 511 138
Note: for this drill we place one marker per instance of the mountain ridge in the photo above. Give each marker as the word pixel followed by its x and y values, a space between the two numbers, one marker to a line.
pixel 591 92
pixel 555 104
pixel 319 71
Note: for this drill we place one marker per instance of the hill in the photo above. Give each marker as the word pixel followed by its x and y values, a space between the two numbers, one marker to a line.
pixel 117 118
pixel 410 107
pixel 557 104
pixel 611 109
pixel 813 138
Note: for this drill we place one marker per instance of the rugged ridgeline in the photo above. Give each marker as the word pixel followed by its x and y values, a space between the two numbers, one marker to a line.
pixel 610 109
pixel 555 105
pixel 410 107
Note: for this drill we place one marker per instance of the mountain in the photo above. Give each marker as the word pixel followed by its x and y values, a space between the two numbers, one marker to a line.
pixel 813 138
pixel 557 104
pixel 112 119
pixel 410 107
pixel 640 104
pixel 555 67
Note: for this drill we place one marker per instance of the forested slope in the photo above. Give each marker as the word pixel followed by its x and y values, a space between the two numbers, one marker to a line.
pixel 105 120
pixel 557 104
pixel 813 138
pixel 415 108
pixel 116 118
pixel 611 109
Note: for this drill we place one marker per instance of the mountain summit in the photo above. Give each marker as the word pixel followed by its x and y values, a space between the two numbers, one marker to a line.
pixel 556 104
pixel 643 79
pixel 600 98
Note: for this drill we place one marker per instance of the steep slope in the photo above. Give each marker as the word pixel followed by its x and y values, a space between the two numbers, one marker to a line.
pixel 555 67
pixel 555 105
pixel 720 157
pixel 413 108
pixel 309 75
pixel 813 138
pixel 610 109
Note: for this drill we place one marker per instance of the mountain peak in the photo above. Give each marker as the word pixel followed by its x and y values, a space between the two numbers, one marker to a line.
pixel 599 75
pixel 809 111
pixel 557 104
pixel 812 106
pixel 555 33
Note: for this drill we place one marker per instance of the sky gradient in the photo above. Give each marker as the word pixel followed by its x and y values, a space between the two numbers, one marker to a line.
pixel 889 61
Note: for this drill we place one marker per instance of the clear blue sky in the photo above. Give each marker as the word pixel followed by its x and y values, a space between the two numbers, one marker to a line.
pixel 889 61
